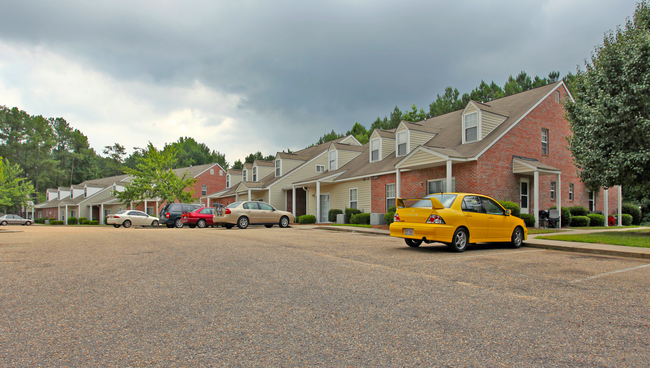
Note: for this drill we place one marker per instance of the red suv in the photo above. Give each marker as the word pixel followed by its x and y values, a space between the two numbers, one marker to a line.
pixel 201 217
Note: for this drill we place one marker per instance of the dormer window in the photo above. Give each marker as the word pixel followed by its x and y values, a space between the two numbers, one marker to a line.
pixel 71 193
pixel 402 138
pixel 255 173
pixel 332 161
pixel 374 150
pixel 471 127
pixel 228 181
pixel 278 168
pixel 85 192
pixel 245 175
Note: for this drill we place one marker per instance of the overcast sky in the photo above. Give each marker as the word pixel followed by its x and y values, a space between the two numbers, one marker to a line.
pixel 243 76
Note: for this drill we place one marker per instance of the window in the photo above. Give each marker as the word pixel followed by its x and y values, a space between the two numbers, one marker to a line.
pixel 354 198
pixel 492 207
pixel 72 194
pixel 471 127
pixel 592 201
pixel 472 204
pixel 401 143
pixel 85 192
pixel 150 211
pixel 571 191
pixel 204 190
pixel 557 96
pixel 440 186
pixel 73 213
pixel 255 173
pixel 320 168
pixel 245 175
pixel 107 212
pixel 374 150
pixel 220 172
pixel 265 206
pixel 211 171
pixel 553 190
pixel 544 141
pixel 390 196
pixel 278 168
pixel 332 160
pixel 228 181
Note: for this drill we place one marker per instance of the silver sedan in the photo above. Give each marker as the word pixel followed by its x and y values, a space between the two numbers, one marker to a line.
pixel 127 218
pixel 14 220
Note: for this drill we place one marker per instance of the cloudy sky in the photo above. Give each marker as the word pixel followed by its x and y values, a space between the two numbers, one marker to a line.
pixel 243 76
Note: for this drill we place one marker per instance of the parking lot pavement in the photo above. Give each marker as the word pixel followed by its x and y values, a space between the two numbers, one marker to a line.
pixel 89 296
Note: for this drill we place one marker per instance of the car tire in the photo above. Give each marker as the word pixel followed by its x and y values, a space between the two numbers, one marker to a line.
pixel 413 243
pixel 268 226
pixel 28 223
pixel 201 224
pixel 155 223
pixel 178 224
pixel 284 222
pixel 116 226
pixel 228 226
pixel 517 237
pixel 4 223
pixel 126 224
pixel 169 226
pixel 460 240
pixel 242 222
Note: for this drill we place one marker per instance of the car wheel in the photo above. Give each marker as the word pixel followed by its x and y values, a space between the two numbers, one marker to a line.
pixel 268 226
pixel 4 223
pixel 126 224
pixel 242 223
pixel 178 224
pixel 116 226
pixel 413 243
pixel 201 224
pixel 169 226
pixel 154 223
pixel 284 222
pixel 228 226
pixel 460 240
pixel 517 237
pixel 28 223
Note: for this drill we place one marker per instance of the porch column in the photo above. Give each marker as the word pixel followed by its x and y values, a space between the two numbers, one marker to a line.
pixel 398 187
pixel 270 198
pixel 101 214
pixel 559 199
pixel 156 207
pixel 318 201
pixel 536 197
pixel 249 194
pixel 605 205
pixel 66 215
pixel 130 205
pixel 145 206
pixel 91 212
pixel 620 205
pixel 293 201
pixel 449 188
pixel 208 199
pixel 236 197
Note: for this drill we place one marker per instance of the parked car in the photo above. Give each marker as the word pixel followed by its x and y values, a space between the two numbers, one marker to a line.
pixel 127 218
pixel 170 214
pixel 201 217
pixel 456 219
pixel 14 220
pixel 247 213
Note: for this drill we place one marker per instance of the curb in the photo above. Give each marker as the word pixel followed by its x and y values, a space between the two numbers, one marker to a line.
pixel 585 249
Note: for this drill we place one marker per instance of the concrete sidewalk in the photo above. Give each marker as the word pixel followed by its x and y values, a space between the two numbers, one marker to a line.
pixel 590 248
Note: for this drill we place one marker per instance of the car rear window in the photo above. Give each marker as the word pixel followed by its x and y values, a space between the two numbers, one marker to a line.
pixel 190 207
pixel 446 199
pixel 121 212
pixel 234 204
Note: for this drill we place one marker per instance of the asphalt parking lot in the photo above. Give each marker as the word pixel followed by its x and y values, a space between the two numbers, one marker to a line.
pixel 100 296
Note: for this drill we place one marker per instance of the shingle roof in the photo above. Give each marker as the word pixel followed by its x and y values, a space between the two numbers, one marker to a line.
pixel 264 163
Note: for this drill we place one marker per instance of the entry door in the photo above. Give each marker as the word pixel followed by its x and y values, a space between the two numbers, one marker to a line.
pixel 524 194
pixel 324 207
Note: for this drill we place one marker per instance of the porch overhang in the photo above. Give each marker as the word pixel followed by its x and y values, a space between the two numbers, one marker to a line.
pixel 529 167
pixel 423 157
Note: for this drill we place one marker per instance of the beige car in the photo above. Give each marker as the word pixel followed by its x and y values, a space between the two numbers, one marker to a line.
pixel 127 218
pixel 247 213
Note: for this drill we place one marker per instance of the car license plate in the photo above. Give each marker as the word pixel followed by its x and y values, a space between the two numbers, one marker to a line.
pixel 408 232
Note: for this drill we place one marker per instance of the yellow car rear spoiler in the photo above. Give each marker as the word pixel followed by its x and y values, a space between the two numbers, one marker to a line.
pixel 435 202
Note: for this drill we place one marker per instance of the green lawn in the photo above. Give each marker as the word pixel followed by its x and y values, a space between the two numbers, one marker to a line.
pixel 632 238
pixel 352 225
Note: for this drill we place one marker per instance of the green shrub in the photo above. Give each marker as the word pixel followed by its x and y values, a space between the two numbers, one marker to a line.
pixel 72 221
pixel 105 220
pixel 93 222
pixel 82 219
pixel 40 220
pixel 596 220
pixel 53 219
pixel 627 219
pixel 566 215
pixel 514 208
pixel 85 222
pixel 331 215
pixel 528 219
pixel 56 222
pixel 634 211
pixel 307 219
pixel 349 212
pixel 360 219
pixel 580 221
pixel 392 209
pixel 578 211
pixel 389 217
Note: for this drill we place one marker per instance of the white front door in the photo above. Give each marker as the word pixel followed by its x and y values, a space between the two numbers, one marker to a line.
pixel 524 195
pixel 324 207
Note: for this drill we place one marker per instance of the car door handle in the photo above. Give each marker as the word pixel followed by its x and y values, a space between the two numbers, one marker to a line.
pixel 490 217
pixel 468 215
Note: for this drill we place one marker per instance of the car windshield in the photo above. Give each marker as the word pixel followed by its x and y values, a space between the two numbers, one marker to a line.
pixel 446 199
pixel 234 204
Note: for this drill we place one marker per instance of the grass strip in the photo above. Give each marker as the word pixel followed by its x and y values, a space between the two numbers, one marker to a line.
pixel 632 238
pixel 354 225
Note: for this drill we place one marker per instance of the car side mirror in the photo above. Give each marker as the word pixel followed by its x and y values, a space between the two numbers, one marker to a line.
pixel 507 212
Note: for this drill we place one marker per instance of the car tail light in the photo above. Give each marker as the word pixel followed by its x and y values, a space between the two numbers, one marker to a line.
pixel 167 215
pixel 435 219
pixel 396 218
pixel 227 211
pixel 115 216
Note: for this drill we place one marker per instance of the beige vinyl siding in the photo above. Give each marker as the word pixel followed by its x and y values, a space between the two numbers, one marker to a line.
pixel 421 158
pixel 489 122
pixel 401 128
pixel 305 172
pixel 262 172
pixel 517 167
pixel 340 195
pixel 470 109
pixel 387 147
pixel 346 156
pixel 419 138
pixel 234 180
pixel 350 141
pixel 288 165
pixel 374 135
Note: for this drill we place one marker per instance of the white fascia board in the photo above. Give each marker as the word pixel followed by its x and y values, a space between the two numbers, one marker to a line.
pixel 369 176
pixel 517 122
pixel 213 165
pixel 466 107
pixel 295 169
pixel 428 150
pixel 351 136
pixel 316 180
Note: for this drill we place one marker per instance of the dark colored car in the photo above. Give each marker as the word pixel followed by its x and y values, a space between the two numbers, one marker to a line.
pixel 200 218
pixel 170 214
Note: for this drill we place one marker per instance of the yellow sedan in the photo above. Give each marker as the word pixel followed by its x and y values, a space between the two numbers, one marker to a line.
pixel 456 219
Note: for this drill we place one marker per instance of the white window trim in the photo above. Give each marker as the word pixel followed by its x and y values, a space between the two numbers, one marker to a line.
pixel 571 192
pixel 206 190
pixel 322 171
pixel 444 181
pixel 227 180
pixel 378 140
pixel 336 160
pixel 553 186
pixel 408 143
pixel 478 126
pixel 211 171
pixel 394 194
pixel 350 198
pixel 255 173
pixel 548 147
pixel 244 175
pixel 278 167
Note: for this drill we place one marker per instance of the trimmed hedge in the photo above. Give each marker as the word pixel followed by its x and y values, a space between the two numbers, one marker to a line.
pixel 578 211
pixel 596 220
pixel 349 212
pixel 392 209
pixel 56 222
pixel 94 222
pixel 528 219
pixel 307 219
pixel 627 219
pixel 634 211
pixel 72 221
pixel 40 220
pixel 580 221
pixel 566 215
pixel 389 217
pixel 514 208
pixel 82 219
pixel 331 215
pixel 85 222
pixel 360 219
